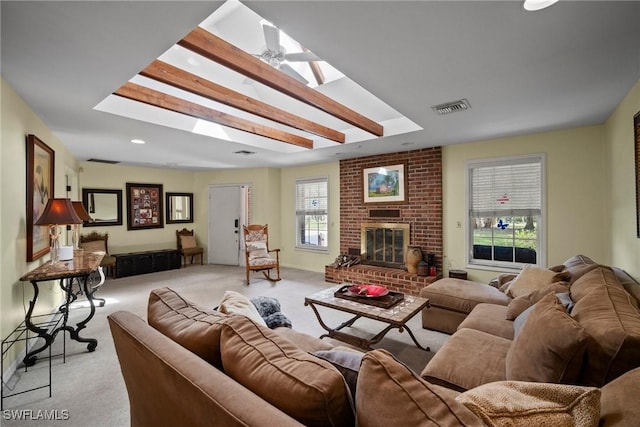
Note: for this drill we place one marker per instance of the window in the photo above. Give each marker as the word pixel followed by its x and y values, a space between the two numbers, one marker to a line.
pixel 312 214
pixel 505 211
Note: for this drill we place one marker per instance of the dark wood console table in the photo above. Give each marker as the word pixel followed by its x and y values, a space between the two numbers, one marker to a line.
pixel 134 263
pixel 80 269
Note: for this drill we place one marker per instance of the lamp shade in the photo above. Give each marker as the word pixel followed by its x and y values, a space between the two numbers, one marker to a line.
pixel 81 211
pixel 58 212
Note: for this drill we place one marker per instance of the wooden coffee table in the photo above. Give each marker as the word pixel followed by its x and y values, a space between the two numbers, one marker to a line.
pixel 396 316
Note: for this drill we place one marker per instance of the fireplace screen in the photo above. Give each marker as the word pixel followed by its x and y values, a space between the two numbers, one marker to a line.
pixel 384 244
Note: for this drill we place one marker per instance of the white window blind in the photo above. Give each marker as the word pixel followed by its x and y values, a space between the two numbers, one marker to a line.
pixel 513 189
pixel 311 197
pixel 312 215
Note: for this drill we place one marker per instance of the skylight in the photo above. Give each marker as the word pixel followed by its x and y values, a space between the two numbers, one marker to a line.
pixel 235 24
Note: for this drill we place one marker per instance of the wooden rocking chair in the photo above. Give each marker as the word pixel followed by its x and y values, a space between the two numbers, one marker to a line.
pixel 256 245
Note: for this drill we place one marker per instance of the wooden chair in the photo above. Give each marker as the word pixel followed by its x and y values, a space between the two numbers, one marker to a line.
pixel 187 245
pixel 256 245
pixel 96 242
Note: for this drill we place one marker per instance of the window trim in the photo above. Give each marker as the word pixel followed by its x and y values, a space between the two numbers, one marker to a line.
pixel 541 250
pixel 296 244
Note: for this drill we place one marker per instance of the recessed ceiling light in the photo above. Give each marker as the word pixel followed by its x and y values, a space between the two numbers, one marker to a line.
pixel 138 141
pixel 533 5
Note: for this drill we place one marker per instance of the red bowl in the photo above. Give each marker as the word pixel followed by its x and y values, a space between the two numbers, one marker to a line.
pixel 368 291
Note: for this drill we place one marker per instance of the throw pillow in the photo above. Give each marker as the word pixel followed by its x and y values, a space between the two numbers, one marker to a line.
pixel 257 250
pixel 391 394
pixel 519 321
pixel 188 242
pixel 532 278
pixel 195 328
pixel 347 363
pixel 521 303
pixel 305 387
pixel 525 404
pixel 565 300
pixel 236 303
pixel 549 347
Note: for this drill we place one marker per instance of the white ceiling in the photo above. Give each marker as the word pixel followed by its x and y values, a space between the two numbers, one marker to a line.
pixel 522 72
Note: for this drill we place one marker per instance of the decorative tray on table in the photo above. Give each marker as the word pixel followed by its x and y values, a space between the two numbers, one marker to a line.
pixel 375 295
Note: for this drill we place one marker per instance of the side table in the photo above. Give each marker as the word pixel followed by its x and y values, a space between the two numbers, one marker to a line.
pixel 79 268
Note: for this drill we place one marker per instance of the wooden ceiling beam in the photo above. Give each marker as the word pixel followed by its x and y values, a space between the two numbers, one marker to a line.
pixel 158 99
pixel 177 77
pixel 214 48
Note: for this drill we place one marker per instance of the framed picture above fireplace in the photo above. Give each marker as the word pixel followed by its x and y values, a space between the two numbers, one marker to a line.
pixel 384 184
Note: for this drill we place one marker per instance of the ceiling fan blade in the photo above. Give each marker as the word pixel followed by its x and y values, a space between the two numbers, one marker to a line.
pixel 301 57
pixel 271 37
pixel 285 68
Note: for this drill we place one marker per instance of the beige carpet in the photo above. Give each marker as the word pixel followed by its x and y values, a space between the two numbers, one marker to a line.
pixel 88 389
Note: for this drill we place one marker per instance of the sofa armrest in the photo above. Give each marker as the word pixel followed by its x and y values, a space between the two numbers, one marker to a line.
pixel 157 370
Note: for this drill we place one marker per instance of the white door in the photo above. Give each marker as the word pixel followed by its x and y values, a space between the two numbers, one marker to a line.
pixel 225 224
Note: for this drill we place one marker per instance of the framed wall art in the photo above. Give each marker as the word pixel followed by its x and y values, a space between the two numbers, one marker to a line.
pixel 386 184
pixel 636 135
pixel 40 175
pixel 144 206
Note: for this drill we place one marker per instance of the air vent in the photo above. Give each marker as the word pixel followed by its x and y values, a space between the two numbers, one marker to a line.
pixel 451 107
pixel 109 162
pixel 244 152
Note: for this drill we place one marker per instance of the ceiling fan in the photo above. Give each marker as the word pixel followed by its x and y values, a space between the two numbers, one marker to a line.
pixel 276 55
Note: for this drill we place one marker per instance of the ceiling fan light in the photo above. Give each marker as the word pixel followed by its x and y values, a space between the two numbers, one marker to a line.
pixel 534 5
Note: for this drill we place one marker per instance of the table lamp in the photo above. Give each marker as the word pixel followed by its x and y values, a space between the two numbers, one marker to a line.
pixel 85 217
pixel 57 212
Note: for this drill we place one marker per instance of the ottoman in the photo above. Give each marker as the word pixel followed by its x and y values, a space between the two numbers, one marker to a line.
pixel 452 300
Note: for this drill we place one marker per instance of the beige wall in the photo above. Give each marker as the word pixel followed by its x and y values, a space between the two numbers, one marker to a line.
pixel 575 193
pixel 115 177
pixel 300 258
pixel 17 121
pixel 620 200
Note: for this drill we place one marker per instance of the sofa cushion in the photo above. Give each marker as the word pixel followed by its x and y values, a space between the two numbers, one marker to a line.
pixel 533 278
pixel 627 282
pixel 525 404
pixel 346 362
pixel 521 303
pixel 550 346
pixel 391 394
pixel 619 402
pixel 305 387
pixel 193 327
pixel 579 265
pixel 612 319
pixel 457 365
pixel 236 303
pixel 304 342
pixel 489 318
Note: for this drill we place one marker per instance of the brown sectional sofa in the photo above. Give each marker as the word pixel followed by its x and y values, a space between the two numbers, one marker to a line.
pixel 593 345
pixel 196 367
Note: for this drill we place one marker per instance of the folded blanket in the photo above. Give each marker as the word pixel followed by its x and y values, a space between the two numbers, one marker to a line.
pixel 269 309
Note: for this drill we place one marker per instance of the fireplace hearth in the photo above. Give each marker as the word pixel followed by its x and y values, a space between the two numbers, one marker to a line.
pixel 384 244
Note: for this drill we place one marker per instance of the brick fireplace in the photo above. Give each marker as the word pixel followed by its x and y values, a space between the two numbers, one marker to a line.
pixel 421 210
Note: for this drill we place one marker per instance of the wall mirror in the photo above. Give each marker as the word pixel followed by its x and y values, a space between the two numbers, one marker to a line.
pixel 103 205
pixel 179 207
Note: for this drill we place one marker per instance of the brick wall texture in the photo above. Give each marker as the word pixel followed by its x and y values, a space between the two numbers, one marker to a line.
pixel 422 208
